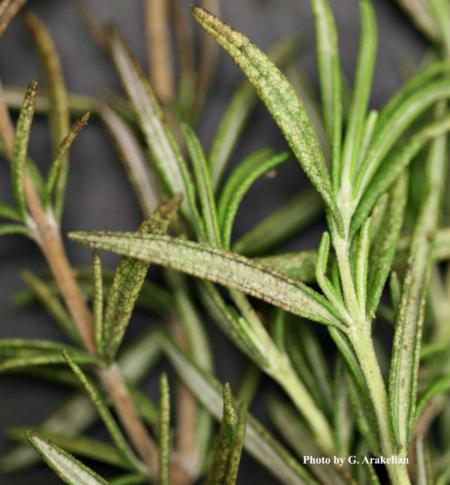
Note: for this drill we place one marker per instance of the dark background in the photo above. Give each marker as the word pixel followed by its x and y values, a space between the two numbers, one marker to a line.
pixel 99 196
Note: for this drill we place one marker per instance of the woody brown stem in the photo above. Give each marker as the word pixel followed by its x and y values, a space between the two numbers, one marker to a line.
pixel 47 234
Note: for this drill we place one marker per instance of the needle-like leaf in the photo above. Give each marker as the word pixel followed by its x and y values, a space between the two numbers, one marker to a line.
pixel 385 243
pixel 166 154
pixel 106 416
pixel 58 99
pixel 127 283
pixel 67 467
pixel 203 182
pixel 239 182
pixel 132 156
pixel 164 430
pixel 55 184
pixel 281 224
pixel 19 162
pixel 218 266
pixel 258 441
pixel 280 99
pixel 238 111
pixel 408 333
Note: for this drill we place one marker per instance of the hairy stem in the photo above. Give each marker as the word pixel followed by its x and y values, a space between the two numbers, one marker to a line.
pixel 365 351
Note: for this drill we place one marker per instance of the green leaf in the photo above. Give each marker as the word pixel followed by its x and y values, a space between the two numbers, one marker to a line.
pixel 164 430
pixel 67 467
pixel 105 414
pixel 389 131
pixel 203 182
pixel 52 304
pixel 11 213
pixel 128 280
pixel 238 184
pixel 281 224
pixel 78 413
pixel 361 92
pixel 218 266
pixel 165 152
pixel 385 242
pixel 16 354
pixel 440 386
pixel 361 265
pixel 237 113
pixel 280 99
pixel 80 445
pixel 55 185
pixel 20 149
pixel 330 78
pixel 15 229
pixel 258 441
pixel 139 173
pixel 393 166
pixel 58 100
pixel 408 330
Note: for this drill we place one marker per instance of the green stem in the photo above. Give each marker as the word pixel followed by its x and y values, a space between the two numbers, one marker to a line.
pixel 363 345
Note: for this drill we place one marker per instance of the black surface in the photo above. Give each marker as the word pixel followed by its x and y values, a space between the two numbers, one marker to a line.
pixel 98 194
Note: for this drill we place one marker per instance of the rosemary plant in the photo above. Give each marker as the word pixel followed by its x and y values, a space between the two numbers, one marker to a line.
pixel 362 165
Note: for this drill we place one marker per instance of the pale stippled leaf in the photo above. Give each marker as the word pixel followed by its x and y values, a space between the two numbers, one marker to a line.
pixel 166 154
pixel 56 181
pixel 139 173
pixel 237 446
pixel 97 300
pixel 258 441
pixel 361 92
pixel 385 243
pixel 237 113
pixel 393 166
pixel 128 280
pixel 388 132
pixel 203 183
pixel 281 100
pixel 408 332
pixel 58 99
pixel 237 185
pixel 52 304
pixel 218 266
pixel 164 430
pixel 330 78
pixel 281 224
pixel 105 414
pixel 224 440
pixel 81 445
pixel 20 149
pixel 67 467
pixel 299 266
